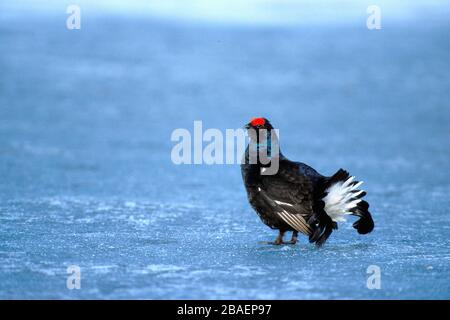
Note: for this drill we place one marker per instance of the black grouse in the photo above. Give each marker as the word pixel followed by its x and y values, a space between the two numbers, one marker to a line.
pixel 296 197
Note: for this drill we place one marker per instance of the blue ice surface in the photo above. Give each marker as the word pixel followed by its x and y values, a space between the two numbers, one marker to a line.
pixel 86 177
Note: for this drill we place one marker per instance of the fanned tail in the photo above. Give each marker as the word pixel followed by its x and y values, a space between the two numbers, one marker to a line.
pixel 365 223
pixel 342 197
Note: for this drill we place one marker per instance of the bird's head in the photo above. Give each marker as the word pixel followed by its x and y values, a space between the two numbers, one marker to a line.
pixel 259 123
pixel 263 148
pixel 260 131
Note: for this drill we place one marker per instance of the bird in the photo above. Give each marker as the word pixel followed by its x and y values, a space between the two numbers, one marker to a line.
pixel 296 197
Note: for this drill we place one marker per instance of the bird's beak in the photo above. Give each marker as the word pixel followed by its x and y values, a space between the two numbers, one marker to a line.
pixel 247 126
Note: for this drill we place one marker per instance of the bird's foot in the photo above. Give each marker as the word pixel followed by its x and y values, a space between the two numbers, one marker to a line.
pixel 279 243
pixel 279 240
pixel 293 239
pixel 275 243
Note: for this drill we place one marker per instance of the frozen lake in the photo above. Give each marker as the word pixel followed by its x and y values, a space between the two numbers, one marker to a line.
pixel 86 177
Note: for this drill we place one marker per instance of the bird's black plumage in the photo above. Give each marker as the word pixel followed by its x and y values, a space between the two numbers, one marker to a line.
pixel 297 198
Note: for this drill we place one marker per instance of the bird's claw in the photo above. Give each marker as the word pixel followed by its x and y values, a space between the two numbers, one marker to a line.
pixel 278 243
pixel 270 242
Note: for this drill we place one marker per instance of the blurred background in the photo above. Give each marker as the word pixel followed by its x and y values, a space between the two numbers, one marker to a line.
pixel 86 117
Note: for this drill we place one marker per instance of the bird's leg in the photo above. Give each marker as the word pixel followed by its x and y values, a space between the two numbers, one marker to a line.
pixel 294 238
pixel 279 239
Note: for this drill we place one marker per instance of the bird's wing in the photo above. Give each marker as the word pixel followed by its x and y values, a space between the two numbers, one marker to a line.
pixel 287 213
pixel 292 189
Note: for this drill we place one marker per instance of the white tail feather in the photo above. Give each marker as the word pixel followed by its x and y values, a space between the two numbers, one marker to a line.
pixel 340 199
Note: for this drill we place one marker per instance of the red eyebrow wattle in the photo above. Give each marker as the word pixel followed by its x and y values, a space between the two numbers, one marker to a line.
pixel 257 122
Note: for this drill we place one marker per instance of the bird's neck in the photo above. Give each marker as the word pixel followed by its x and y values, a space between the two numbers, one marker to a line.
pixel 262 153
